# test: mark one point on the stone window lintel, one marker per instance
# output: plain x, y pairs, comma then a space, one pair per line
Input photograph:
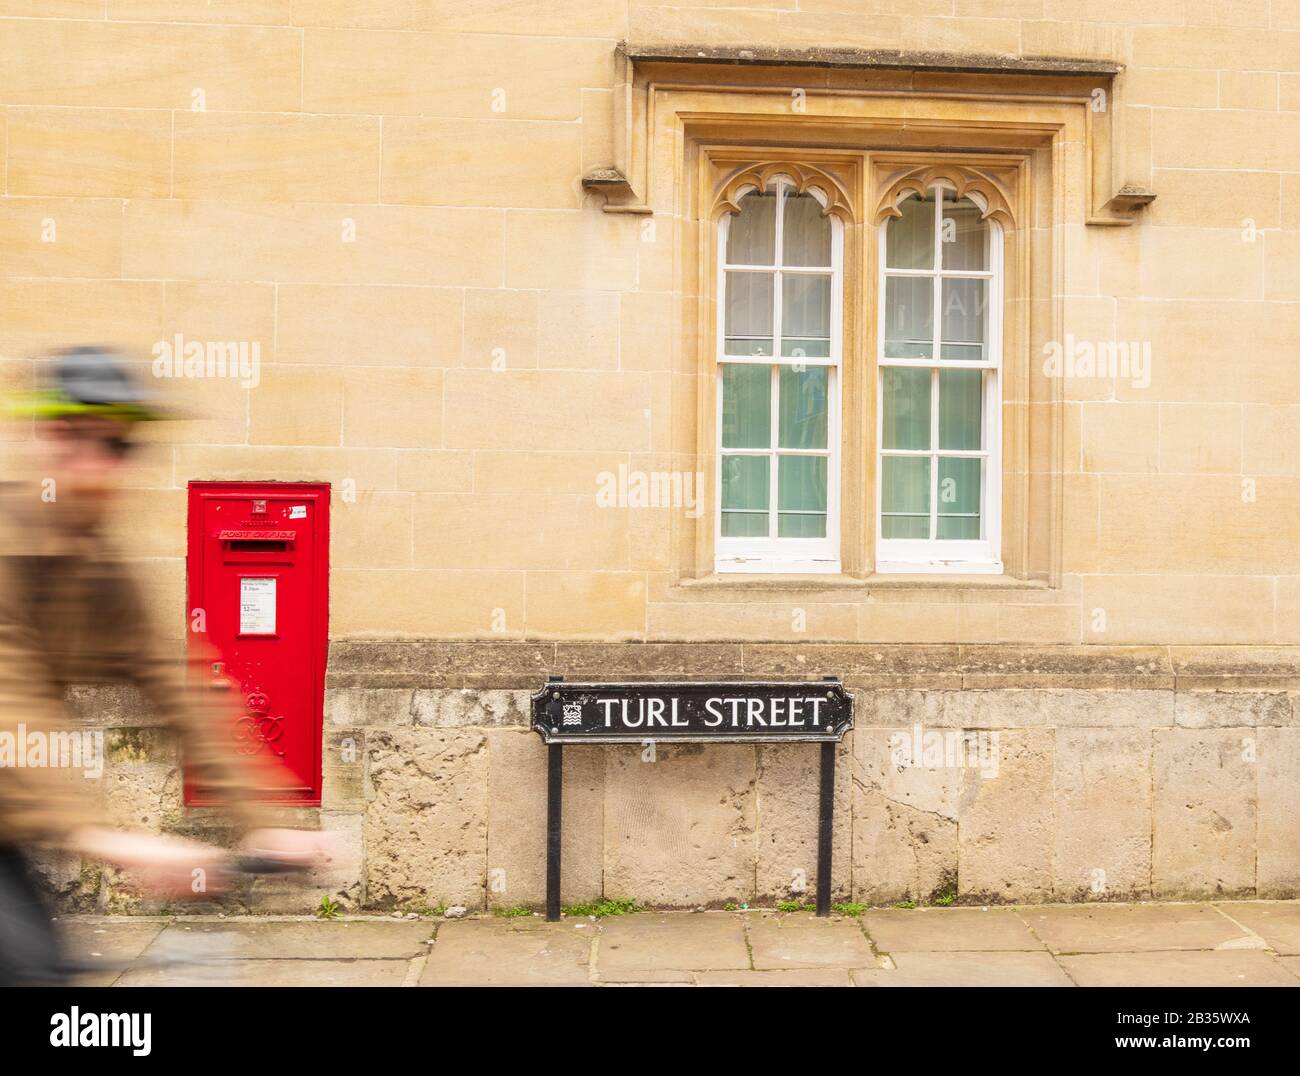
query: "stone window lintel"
646, 71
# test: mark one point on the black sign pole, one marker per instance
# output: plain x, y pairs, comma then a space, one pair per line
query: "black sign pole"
825, 819
554, 805
554, 800
825, 815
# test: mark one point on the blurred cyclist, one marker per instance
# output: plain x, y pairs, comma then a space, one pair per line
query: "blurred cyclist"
71, 614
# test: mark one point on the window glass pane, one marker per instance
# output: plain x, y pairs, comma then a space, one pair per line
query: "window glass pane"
805, 348
963, 308
909, 240
960, 410
807, 232
746, 406
959, 497
801, 525
744, 524
749, 313
745, 483
909, 317
801, 497
905, 497
804, 403
751, 234
805, 315
906, 408
801, 483
964, 239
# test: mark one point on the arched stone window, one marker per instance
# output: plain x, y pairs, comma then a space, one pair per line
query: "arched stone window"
779, 356
938, 501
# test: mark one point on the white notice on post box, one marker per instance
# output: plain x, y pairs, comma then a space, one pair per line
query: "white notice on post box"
256, 606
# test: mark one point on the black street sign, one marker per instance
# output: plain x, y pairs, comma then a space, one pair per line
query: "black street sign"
817, 711
764, 712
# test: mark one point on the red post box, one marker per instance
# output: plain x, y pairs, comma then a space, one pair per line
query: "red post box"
258, 577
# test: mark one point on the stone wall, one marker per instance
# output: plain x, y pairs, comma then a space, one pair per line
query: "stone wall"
1120, 773
386, 200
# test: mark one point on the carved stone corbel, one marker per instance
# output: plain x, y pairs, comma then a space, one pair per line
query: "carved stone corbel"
616, 189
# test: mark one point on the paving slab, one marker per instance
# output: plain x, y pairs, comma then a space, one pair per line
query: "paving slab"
803, 941
670, 942
645, 977
1277, 924
113, 942
966, 969
948, 930
1188, 944
1178, 968
1126, 928
673, 983
272, 973
786, 977
249, 939
503, 952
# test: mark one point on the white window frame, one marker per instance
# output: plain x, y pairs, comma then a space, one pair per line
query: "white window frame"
946, 555
773, 555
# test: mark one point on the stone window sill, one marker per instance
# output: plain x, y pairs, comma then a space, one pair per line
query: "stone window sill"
736, 581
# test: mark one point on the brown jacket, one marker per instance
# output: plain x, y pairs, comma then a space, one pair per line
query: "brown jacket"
70, 613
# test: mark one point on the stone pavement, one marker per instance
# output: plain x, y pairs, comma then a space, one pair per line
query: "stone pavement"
1220, 944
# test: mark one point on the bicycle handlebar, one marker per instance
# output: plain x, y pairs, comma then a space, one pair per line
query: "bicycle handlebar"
254, 864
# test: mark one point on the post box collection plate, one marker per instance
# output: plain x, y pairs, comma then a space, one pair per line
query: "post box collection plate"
692, 712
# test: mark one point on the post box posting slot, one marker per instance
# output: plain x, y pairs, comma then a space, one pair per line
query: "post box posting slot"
257, 541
